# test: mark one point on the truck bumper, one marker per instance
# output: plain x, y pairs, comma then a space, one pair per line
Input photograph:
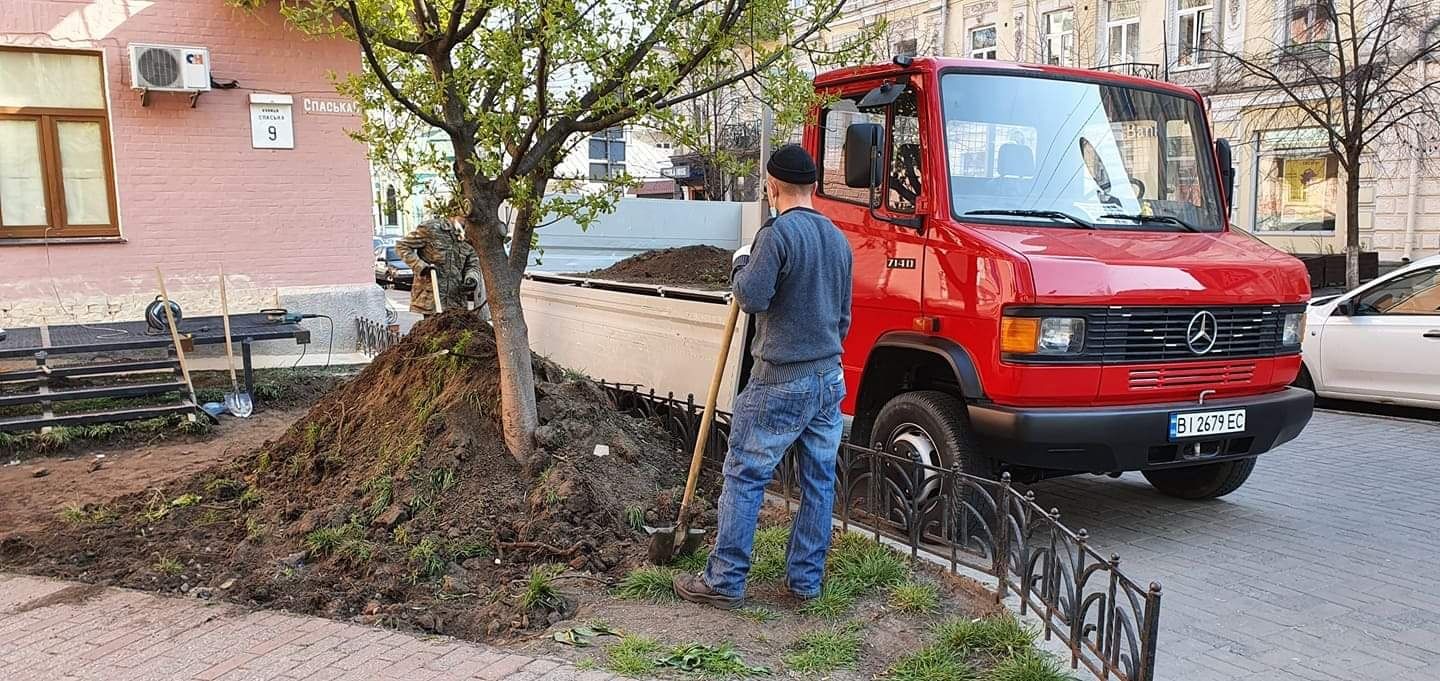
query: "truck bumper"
1135, 437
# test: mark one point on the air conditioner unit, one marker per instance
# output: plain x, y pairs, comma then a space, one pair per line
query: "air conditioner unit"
169, 68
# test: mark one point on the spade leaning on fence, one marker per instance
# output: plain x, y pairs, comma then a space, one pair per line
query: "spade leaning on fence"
438, 248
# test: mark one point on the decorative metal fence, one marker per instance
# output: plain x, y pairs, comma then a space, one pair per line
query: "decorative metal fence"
1108, 621
373, 338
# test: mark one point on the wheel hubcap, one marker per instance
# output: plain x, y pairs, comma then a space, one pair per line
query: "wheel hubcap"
909, 440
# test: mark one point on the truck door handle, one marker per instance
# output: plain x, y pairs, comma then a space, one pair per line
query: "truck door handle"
1432, 333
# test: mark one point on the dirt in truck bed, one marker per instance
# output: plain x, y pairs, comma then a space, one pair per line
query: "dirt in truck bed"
392, 501
706, 268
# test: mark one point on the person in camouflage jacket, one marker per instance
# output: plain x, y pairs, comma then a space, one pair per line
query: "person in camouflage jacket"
438, 248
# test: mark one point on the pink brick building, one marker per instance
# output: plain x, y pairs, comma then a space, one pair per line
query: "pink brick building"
98, 185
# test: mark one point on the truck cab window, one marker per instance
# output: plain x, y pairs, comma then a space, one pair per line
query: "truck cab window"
905, 184
835, 120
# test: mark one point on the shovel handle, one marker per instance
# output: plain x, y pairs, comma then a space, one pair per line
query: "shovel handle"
225, 317
175, 334
703, 434
435, 289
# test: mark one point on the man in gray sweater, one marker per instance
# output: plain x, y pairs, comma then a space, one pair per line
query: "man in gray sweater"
795, 280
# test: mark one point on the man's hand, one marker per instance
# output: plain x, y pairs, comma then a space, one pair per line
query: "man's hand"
426, 269
472, 282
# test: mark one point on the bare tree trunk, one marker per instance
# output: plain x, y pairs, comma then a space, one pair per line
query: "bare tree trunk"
512, 341
1352, 225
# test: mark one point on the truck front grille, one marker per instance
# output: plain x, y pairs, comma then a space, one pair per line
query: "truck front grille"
1161, 378
1139, 335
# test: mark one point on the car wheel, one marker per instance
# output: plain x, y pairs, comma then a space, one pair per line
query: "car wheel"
933, 426
1210, 481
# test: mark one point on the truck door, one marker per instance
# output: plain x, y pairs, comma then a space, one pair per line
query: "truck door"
887, 256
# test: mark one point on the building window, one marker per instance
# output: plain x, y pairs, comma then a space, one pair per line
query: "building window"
392, 206
1297, 180
1307, 21
56, 175
1122, 29
1059, 41
982, 43
1194, 20
607, 154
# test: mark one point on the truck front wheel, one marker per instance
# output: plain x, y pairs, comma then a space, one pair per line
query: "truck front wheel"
934, 426
1210, 481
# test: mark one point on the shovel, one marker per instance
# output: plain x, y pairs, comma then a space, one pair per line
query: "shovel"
668, 542
435, 290
237, 401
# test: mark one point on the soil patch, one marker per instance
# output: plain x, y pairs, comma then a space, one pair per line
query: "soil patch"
699, 267
392, 501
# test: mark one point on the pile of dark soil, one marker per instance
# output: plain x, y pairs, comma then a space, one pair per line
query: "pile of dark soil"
699, 267
393, 501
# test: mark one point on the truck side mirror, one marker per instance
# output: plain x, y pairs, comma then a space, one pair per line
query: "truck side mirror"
862, 142
1226, 158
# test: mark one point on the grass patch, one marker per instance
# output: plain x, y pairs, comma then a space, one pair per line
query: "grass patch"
647, 583
346, 543
694, 561
1030, 665
427, 558
758, 614
250, 498
168, 566
81, 515
996, 637
824, 651
382, 491
632, 656
225, 489
721, 661
865, 564
767, 560
185, 500
915, 598
835, 600
540, 589
635, 518
931, 663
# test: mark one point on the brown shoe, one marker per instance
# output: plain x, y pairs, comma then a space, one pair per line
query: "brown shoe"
694, 589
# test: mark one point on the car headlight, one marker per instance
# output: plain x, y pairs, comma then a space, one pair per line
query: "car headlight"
1042, 335
1293, 330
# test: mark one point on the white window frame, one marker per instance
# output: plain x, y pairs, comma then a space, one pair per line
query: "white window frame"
993, 51
613, 168
1121, 24
1203, 17
1067, 52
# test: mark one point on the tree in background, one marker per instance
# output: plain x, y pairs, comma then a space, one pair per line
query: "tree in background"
1361, 71
513, 84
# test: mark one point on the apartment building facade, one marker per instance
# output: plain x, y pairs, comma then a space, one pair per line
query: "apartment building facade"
1289, 188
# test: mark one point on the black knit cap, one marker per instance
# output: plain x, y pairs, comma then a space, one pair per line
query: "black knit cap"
792, 164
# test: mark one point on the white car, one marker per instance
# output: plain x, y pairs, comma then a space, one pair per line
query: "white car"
1380, 342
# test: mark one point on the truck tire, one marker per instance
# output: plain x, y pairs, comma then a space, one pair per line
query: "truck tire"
910, 419
1210, 481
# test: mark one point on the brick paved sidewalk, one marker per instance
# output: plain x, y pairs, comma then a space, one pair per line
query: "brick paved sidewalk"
52, 630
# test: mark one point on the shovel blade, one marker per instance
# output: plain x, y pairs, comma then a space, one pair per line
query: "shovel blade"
662, 545
239, 404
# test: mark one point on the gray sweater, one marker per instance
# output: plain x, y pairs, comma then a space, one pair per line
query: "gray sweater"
797, 284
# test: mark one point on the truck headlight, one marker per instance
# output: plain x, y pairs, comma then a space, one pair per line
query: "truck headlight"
1042, 335
1293, 330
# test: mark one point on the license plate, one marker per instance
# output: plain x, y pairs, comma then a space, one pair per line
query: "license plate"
1204, 423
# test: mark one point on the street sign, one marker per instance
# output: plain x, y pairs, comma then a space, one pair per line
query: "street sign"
272, 121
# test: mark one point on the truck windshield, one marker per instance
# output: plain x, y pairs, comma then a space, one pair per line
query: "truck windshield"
1118, 157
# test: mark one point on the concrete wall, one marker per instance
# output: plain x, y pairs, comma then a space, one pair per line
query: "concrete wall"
192, 192
639, 225
666, 344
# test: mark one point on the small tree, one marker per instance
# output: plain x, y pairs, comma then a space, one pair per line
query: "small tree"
1360, 70
513, 84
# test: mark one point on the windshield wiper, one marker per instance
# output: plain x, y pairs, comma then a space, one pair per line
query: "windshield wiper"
1154, 219
1051, 214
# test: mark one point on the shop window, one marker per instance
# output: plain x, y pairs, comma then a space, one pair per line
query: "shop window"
1298, 182
983, 43
1058, 44
56, 174
1193, 19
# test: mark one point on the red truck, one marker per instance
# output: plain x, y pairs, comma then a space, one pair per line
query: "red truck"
1045, 278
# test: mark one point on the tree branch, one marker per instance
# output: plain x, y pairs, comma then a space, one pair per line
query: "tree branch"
369, 52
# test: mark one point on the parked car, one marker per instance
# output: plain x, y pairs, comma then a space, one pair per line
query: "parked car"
390, 270
1380, 342
378, 241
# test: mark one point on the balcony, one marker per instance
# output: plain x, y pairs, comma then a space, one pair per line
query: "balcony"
1137, 69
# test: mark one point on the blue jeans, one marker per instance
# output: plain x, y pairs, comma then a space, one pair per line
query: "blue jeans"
768, 419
